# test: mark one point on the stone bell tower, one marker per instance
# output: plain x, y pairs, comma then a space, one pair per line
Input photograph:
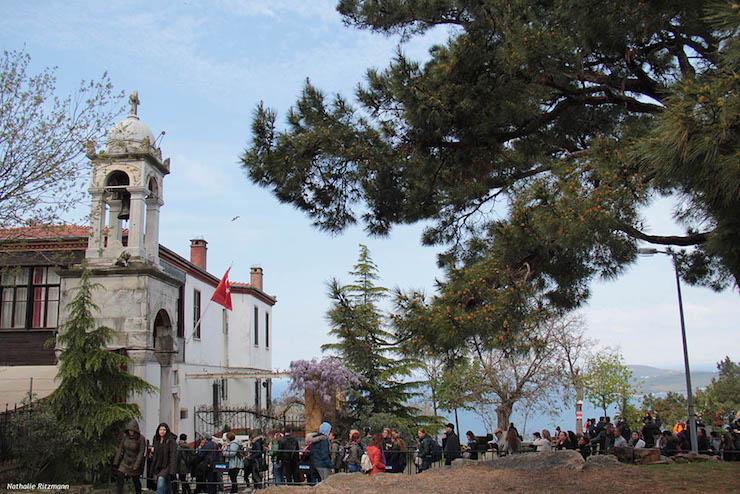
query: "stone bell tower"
127, 192
136, 297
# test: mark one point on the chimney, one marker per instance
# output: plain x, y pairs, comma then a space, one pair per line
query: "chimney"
255, 277
199, 252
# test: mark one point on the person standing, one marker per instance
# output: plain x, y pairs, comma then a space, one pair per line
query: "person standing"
452, 444
288, 454
277, 464
424, 453
205, 457
321, 450
375, 454
164, 458
232, 454
354, 452
184, 459
335, 452
129, 459
254, 465
398, 451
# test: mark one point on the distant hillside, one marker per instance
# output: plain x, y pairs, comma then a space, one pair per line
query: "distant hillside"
654, 380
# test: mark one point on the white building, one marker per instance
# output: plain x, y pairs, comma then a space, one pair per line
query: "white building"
151, 296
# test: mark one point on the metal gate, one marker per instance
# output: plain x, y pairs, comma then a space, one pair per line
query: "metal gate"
211, 420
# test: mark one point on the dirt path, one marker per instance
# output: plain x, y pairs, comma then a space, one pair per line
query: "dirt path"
685, 478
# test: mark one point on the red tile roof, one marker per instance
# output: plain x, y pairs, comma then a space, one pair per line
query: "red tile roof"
44, 232
239, 284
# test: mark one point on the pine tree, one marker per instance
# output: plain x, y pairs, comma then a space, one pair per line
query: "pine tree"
93, 382
367, 346
577, 114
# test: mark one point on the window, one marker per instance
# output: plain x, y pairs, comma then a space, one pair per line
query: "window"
257, 394
175, 378
183, 413
181, 312
267, 329
256, 326
225, 320
196, 314
224, 389
40, 310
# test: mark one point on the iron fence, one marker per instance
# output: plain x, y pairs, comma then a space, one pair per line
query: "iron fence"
208, 421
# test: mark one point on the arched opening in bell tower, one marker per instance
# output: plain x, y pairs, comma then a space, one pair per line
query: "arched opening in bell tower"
117, 206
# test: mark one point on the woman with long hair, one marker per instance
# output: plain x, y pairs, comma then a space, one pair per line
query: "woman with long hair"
376, 455
164, 458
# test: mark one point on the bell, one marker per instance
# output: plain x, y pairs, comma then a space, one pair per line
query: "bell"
125, 208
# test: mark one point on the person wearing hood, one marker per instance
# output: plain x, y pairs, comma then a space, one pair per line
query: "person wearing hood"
164, 458
129, 459
321, 451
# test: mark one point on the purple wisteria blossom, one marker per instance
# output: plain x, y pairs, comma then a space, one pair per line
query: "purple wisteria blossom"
323, 377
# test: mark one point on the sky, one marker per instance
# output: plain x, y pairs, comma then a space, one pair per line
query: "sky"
200, 69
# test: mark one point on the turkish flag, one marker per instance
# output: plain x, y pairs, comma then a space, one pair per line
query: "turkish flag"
222, 295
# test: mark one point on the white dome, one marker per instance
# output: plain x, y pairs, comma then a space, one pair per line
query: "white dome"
130, 135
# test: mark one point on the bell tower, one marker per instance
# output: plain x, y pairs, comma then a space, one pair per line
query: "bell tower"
127, 192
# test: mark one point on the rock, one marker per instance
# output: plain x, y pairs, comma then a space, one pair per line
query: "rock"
602, 461
565, 459
691, 458
625, 455
647, 456
463, 462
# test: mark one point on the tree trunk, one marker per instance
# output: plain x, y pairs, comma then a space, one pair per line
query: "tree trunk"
503, 414
312, 411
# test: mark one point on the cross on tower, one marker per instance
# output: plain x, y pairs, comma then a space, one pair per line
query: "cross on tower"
135, 102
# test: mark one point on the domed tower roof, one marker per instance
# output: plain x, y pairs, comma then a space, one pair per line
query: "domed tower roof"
131, 134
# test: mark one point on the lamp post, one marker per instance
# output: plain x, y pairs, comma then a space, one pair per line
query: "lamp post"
689, 394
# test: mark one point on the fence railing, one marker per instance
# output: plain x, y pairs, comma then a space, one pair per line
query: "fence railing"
6, 422
207, 421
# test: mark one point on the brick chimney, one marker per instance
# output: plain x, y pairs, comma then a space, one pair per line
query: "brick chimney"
199, 252
255, 277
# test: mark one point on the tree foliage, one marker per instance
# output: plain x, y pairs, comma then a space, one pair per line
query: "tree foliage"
367, 345
722, 396
325, 377
513, 366
607, 380
570, 116
93, 382
43, 444
43, 139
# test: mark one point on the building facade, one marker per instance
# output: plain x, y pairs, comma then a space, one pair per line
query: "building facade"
196, 353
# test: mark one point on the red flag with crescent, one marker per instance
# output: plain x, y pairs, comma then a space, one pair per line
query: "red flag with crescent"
222, 295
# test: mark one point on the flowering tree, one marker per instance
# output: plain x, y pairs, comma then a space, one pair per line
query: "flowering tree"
322, 382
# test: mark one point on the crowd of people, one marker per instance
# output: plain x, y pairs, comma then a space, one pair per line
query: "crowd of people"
171, 464
602, 436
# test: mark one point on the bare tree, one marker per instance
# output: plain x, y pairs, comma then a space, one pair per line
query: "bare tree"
529, 373
43, 139
575, 351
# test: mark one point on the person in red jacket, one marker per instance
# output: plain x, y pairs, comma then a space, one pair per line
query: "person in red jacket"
376, 455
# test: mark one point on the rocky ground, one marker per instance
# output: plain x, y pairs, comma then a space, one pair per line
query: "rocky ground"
542, 472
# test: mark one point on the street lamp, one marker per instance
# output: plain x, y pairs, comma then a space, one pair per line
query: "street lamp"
689, 394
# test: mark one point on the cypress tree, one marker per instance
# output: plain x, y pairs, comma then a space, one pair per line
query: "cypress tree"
367, 344
93, 381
